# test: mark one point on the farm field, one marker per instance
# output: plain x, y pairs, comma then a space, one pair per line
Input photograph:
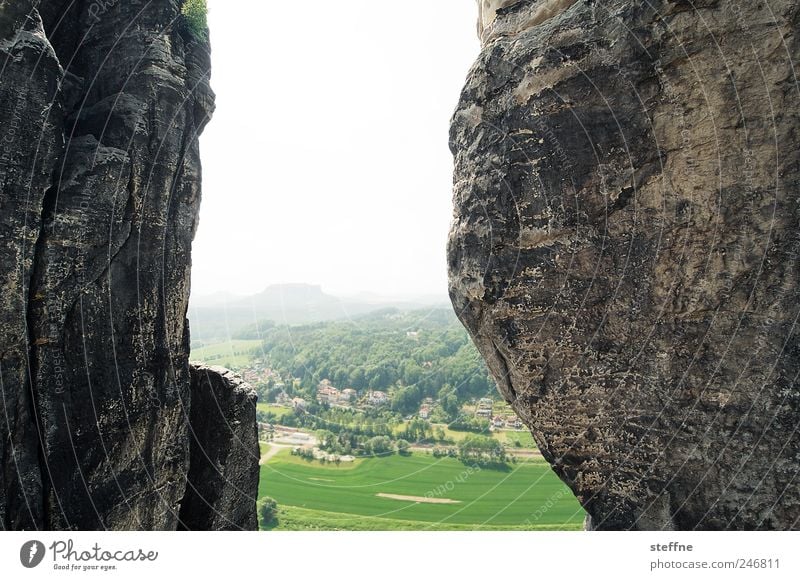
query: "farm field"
300, 519
233, 354
276, 410
313, 496
524, 438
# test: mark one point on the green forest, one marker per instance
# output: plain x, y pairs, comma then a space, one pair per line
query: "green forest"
411, 355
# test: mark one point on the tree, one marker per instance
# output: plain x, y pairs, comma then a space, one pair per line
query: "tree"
341, 377
357, 378
417, 430
403, 447
327, 440
450, 405
379, 445
481, 449
412, 372
268, 512
406, 400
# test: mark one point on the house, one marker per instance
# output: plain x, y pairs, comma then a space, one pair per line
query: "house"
424, 412
327, 393
514, 423
412, 335
485, 408
377, 398
498, 422
348, 395
299, 404
283, 399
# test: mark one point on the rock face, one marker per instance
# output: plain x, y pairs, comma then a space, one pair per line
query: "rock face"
625, 245
222, 482
101, 105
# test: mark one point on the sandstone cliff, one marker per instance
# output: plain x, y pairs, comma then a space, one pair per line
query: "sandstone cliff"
222, 482
101, 105
624, 250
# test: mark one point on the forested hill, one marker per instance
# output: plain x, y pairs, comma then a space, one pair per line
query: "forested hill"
426, 352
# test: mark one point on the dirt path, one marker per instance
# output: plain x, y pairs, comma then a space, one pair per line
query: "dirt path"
272, 451
417, 499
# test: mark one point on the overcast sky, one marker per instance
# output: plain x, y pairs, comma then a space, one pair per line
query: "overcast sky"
327, 161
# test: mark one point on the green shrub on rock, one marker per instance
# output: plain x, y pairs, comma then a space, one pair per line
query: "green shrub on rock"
195, 14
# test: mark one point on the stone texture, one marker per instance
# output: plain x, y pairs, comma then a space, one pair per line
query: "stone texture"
224, 458
31, 141
101, 105
624, 250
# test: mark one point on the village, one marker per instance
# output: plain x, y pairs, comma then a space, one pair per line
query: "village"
348, 398
496, 416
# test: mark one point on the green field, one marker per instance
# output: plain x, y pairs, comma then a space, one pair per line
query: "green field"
276, 410
301, 519
524, 437
233, 354
313, 496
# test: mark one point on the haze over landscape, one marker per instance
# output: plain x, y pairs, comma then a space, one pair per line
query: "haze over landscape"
338, 158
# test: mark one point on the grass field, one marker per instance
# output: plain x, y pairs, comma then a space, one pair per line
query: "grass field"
314, 496
276, 410
301, 519
524, 437
232, 354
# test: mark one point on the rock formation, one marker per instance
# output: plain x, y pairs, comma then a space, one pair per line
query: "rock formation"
624, 250
222, 483
101, 105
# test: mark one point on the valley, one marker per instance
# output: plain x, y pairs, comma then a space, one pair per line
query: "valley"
388, 421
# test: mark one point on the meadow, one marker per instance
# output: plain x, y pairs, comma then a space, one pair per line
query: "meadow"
315, 496
233, 354
276, 410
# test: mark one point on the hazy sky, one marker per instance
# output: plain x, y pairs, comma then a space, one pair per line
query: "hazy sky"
327, 161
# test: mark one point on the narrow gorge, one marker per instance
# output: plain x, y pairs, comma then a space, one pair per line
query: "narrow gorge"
104, 424
624, 252
625, 245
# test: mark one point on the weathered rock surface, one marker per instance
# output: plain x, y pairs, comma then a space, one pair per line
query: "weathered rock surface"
101, 105
624, 250
31, 141
224, 457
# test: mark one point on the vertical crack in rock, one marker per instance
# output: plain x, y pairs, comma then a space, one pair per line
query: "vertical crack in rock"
626, 229
100, 112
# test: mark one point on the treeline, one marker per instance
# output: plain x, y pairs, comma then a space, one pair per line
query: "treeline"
348, 432
319, 417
